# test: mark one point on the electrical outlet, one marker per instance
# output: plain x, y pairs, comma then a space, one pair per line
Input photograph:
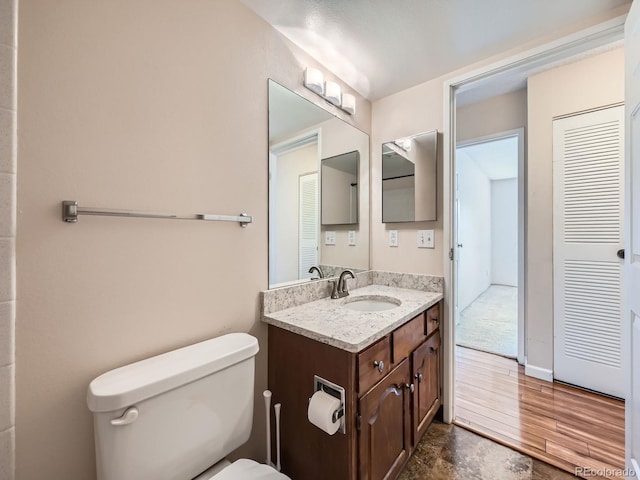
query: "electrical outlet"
351, 238
426, 239
329, 238
393, 238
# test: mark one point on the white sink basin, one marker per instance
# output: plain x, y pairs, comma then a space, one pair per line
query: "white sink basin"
371, 303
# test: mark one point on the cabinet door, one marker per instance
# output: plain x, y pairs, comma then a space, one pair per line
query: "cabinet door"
385, 426
426, 376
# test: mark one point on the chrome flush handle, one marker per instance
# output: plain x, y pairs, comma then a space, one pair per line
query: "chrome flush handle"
130, 415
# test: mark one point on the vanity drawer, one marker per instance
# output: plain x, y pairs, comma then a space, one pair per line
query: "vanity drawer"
408, 337
373, 364
433, 318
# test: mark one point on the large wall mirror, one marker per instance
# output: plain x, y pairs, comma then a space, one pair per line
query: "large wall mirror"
409, 178
318, 191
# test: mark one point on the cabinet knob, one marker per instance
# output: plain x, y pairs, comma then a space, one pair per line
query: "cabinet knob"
379, 364
432, 350
410, 387
436, 320
418, 377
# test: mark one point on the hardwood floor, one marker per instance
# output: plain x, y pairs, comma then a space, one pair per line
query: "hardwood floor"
561, 425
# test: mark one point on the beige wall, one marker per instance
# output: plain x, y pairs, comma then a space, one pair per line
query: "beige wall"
8, 73
494, 115
415, 110
419, 109
585, 84
153, 105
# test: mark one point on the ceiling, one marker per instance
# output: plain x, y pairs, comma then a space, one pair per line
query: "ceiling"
498, 159
289, 113
380, 47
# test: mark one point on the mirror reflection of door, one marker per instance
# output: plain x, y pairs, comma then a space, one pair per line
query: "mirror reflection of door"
307, 224
294, 209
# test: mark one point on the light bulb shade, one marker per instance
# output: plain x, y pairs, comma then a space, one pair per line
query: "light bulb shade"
349, 103
404, 143
332, 93
314, 80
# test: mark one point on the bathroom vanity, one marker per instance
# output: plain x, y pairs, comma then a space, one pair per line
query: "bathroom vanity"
388, 362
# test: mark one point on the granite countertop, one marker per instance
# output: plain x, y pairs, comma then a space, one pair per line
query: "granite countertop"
327, 321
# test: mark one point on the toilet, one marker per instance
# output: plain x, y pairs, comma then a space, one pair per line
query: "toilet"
177, 415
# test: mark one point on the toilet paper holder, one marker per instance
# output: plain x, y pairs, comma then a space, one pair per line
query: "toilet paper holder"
330, 388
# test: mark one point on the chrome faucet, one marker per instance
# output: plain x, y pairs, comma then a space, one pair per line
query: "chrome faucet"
317, 269
340, 286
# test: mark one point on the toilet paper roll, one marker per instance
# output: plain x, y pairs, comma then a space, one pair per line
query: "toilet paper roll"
321, 408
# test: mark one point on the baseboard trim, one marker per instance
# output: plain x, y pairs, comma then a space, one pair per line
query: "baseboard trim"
538, 372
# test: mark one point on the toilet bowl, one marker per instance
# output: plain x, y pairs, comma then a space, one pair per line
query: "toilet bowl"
173, 416
244, 469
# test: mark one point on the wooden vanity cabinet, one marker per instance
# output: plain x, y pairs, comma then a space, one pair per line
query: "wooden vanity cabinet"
385, 426
393, 391
426, 377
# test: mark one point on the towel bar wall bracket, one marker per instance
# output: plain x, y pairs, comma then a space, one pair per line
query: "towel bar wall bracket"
71, 210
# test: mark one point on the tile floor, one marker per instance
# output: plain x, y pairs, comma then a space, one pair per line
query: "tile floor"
448, 452
490, 322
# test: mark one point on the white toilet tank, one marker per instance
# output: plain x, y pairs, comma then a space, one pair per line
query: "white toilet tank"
172, 416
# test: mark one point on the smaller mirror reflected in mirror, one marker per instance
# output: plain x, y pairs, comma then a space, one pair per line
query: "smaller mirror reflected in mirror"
339, 179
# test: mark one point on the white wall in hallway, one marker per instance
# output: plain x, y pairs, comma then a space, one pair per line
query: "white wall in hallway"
504, 231
474, 230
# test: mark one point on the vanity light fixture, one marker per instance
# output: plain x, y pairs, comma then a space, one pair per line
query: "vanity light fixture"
314, 80
330, 91
348, 103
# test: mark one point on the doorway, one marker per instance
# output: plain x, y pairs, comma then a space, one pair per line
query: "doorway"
530, 389
490, 244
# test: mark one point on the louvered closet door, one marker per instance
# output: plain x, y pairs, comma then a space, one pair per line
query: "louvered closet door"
588, 152
308, 224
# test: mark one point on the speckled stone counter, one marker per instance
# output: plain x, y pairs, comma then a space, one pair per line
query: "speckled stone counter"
328, 321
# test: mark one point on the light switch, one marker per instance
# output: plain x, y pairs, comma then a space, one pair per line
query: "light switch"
329, 238
352, 238
426, 239
393, 238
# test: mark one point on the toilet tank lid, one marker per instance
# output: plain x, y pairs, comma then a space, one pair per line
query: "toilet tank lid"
147, 378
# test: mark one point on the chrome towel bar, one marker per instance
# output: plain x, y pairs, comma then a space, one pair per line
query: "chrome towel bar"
71, 210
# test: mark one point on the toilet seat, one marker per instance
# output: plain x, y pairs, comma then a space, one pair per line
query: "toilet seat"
245, 469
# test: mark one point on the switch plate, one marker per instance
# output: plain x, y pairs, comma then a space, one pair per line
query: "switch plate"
351, 238
329, 238
426, 239
393, 238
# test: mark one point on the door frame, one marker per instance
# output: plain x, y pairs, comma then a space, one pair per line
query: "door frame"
522, 230
632, 260
585, 40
